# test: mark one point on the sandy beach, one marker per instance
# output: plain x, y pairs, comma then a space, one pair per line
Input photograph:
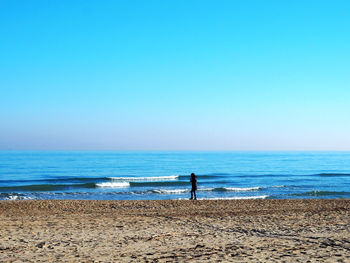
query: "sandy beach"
175, 231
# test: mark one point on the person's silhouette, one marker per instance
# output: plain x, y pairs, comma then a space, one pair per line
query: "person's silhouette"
193, 181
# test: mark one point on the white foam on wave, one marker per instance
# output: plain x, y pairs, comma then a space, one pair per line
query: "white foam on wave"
171, 191
17, 197
113, 185
238, 189
152, 178
235, 197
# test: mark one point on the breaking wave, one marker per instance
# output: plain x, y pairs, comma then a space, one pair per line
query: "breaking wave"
152, 178
113, 185
235, 197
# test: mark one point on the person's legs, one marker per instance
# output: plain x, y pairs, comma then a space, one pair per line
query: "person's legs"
191, 195
195, 195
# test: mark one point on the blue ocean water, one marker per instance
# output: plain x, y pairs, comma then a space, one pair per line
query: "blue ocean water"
109, 175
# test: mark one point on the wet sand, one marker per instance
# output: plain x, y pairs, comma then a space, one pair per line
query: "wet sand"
175, 231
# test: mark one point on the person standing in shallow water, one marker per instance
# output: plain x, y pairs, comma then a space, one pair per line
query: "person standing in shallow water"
194, 186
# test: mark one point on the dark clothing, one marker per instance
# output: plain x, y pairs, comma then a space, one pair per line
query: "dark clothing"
194, 186
194, 182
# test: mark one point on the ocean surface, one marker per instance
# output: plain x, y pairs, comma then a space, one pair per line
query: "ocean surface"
109, 175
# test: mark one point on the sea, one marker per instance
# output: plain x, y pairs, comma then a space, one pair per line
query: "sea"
156, 175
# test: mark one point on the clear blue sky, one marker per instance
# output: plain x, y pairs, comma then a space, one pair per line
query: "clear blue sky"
175, 75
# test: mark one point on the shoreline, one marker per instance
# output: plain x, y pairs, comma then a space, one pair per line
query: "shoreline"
291, 230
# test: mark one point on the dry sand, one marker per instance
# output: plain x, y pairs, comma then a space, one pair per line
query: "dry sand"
175, 231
